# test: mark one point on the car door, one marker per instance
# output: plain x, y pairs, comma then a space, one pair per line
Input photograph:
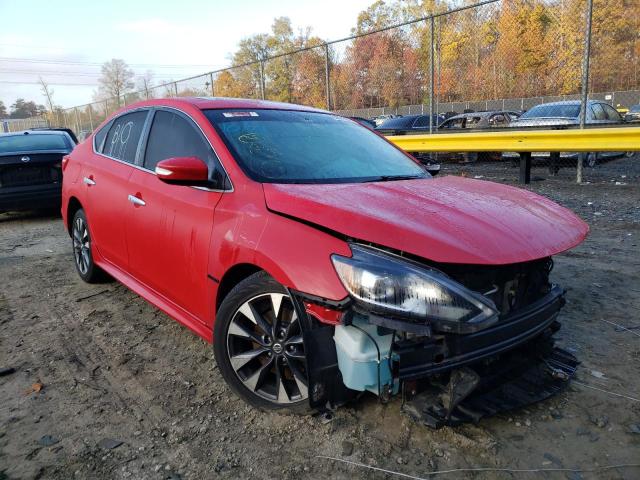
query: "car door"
169, 227
105, 178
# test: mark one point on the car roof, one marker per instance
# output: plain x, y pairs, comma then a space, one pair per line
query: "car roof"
569, 102
207, 103
405, 120
33, 132
484, 113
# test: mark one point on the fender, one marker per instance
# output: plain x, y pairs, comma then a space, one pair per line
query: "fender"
282, 246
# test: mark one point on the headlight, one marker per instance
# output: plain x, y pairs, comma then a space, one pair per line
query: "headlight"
391, 285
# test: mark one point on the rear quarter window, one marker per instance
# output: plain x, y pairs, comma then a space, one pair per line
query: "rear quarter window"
98, 138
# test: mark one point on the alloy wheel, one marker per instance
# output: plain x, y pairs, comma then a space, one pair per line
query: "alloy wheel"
81, 245
266, 351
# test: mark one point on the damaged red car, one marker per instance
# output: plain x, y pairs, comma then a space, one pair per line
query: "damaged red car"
322, 261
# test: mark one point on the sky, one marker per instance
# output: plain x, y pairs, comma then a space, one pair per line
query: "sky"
66, 42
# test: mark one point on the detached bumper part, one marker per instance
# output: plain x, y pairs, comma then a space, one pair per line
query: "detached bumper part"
472, 394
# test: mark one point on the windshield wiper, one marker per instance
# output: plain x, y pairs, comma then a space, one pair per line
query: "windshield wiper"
386, 178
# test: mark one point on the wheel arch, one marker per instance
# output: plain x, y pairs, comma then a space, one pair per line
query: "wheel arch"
72, 207
232, 277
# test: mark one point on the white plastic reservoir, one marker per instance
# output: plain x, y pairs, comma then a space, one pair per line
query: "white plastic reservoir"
358, 356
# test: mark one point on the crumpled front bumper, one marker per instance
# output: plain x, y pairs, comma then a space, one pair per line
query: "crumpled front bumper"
442, 353
431, 362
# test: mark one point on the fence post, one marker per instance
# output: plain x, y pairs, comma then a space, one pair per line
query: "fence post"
585, 82
106, 108
327, 76
175, 88
77, 120
261, 79
431, 75
90, 117
213, 92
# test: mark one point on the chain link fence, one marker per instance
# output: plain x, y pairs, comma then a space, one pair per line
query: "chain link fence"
493, 64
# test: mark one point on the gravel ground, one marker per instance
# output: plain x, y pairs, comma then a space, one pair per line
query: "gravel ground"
106, 386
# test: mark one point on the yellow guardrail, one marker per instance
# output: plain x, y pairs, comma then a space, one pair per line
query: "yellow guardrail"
615, 139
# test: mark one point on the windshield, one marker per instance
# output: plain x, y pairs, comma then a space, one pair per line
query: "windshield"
541, 111
635, 109
277, 146
32, 142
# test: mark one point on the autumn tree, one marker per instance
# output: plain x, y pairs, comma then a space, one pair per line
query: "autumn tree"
116, 79
225, 85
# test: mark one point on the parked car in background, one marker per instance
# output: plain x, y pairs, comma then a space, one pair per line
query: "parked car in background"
365, 122
633, 115
478, 120
31, 168
475, 121
380, 119
414, 124
68, 131
566, 114
409, 124
323, 275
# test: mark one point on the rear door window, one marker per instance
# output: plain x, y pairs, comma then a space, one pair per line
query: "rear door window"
123, 138
172, 136
498, 120
454, 123
598, 112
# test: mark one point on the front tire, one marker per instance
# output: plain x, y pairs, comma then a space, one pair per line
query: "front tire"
258, 346
81, 242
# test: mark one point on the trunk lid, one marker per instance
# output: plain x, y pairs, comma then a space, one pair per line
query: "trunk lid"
20, 170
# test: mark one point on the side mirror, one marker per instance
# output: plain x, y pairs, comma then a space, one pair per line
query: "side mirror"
190, 171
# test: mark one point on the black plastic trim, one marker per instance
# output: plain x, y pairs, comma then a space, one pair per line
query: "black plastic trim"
513, 331
341, 305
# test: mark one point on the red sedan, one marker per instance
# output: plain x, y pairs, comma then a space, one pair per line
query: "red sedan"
320, 260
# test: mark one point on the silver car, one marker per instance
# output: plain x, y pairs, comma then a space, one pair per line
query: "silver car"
566, 114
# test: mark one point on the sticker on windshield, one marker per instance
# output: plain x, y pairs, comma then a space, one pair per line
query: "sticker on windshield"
240, 114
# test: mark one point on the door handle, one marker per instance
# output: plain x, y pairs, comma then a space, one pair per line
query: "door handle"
88, 181
136, 201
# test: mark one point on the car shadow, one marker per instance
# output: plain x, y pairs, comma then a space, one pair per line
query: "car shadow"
40, 214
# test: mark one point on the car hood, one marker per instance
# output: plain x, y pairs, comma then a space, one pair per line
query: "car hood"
448, 219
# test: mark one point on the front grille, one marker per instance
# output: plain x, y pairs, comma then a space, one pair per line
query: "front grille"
510, 287
19, 176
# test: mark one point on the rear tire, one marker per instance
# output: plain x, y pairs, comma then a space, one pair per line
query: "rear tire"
258, 346
81, 243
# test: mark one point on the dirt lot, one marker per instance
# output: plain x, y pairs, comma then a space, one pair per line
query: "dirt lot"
97, 363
